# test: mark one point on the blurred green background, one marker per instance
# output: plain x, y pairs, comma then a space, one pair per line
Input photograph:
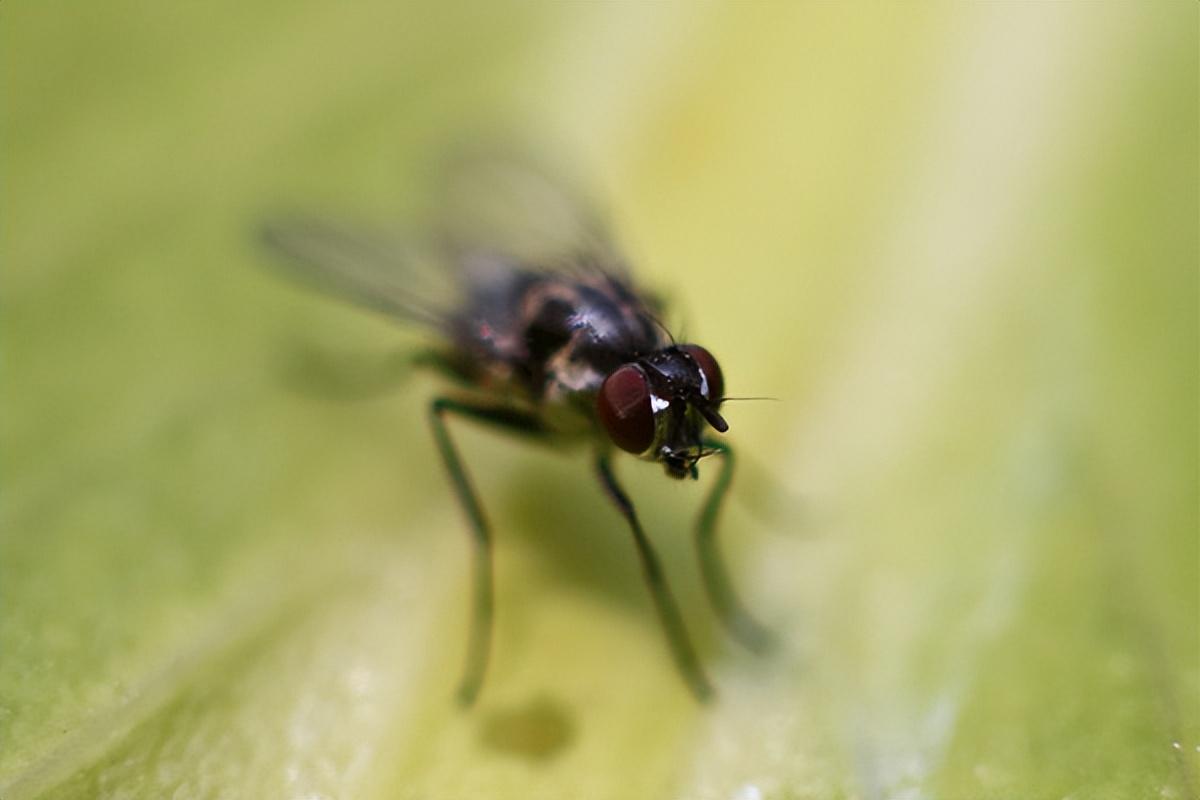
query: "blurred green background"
959, 242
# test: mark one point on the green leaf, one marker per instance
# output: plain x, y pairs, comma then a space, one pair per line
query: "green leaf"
960, 243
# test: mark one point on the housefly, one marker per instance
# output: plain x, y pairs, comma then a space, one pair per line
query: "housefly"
544, 334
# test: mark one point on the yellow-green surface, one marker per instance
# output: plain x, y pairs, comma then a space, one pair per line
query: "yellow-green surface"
958, 242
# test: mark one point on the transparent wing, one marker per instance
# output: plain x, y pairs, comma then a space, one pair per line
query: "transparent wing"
492, 218
520, 209
367, 267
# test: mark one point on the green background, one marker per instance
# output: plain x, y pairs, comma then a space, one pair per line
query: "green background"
958, 242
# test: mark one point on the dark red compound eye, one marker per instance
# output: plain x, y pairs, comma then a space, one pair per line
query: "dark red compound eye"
708, 366
624, 408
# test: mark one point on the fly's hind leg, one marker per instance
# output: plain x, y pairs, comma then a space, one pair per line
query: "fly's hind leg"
656, 580
725, 602
478, 643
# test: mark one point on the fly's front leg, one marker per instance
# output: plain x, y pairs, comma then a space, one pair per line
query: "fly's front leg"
724, 601
656, 580
478, 643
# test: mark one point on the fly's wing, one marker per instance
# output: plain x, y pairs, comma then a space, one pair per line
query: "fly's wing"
495, 220
367, 267
522, 211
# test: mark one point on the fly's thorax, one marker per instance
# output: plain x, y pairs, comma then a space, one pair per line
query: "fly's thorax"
576, 332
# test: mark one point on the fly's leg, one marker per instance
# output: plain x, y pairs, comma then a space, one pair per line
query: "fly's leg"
668, 612
478, 643
729, 609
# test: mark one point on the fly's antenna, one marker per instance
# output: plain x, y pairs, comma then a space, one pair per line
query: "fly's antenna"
736, 399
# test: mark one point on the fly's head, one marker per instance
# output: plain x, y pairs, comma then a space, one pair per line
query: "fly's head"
657, 407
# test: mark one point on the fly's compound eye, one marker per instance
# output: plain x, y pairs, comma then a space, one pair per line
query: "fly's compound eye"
714, 383
625, 410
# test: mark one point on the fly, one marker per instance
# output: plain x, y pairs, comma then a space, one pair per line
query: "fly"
545, 335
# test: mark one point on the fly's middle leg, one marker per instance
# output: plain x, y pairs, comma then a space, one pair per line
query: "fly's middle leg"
724, 601
479, 641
